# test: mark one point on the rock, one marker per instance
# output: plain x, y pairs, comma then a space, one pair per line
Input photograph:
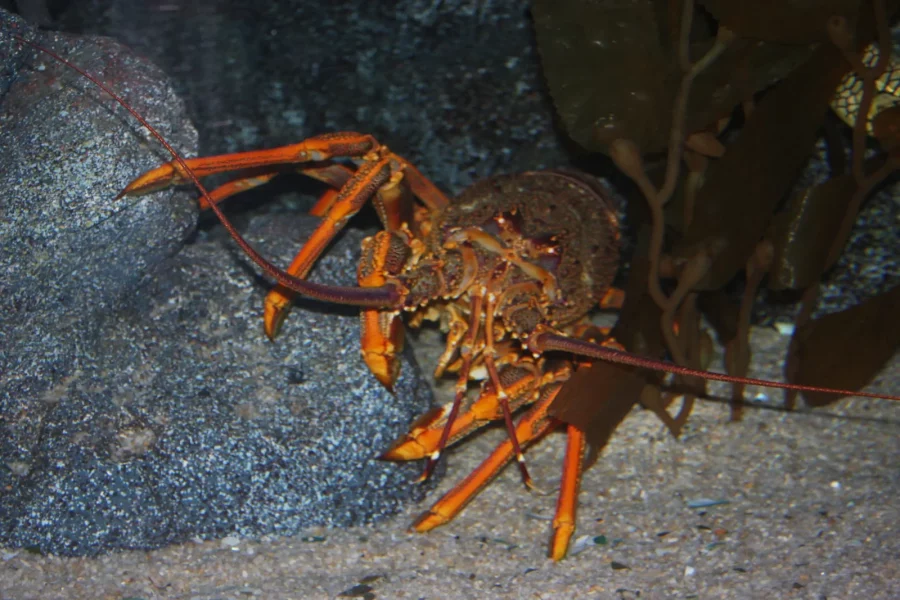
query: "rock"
454, 86
70, 254
140, 403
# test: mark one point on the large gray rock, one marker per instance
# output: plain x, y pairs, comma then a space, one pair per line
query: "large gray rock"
70, 254
140, 403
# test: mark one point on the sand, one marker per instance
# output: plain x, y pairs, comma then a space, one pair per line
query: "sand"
798, 504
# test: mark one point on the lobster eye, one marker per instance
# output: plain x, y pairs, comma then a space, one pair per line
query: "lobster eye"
549, 261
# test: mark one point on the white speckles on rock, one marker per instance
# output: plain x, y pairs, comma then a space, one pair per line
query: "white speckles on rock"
142, 442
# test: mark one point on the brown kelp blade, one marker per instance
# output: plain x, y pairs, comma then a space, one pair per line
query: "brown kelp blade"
742, 189
586, 44
606, 69
804, 233
846, 349
596, 399
787, 21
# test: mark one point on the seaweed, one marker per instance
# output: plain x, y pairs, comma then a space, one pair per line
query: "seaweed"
739, 94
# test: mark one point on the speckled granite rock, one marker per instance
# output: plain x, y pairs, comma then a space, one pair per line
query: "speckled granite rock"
69, 253
140, 404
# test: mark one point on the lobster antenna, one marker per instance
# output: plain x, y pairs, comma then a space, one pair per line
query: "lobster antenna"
378, 297
546, 340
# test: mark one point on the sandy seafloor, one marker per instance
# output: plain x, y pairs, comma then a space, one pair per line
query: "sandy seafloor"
813, 511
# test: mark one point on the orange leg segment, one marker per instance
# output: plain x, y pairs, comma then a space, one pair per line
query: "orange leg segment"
324, 203
614, 298
381, 329
467, 352
317, 148
567, 502
531, 427
237, 186
359, 190
424, 436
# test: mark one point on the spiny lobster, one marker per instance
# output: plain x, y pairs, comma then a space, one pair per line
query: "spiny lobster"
510, 269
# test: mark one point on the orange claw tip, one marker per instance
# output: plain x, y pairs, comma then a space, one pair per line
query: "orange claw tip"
427, 521
404, 449
559, 541
386, 369
386, 380
151, 181
273, 316
271, 328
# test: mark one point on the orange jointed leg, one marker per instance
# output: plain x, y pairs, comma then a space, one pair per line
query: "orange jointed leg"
462, 383
566, 503
359, 190
382, 343
382, 332
318, 148
422, 187
379, 178
324, 203
333, 175
531, 427
502, 396
425, 434
456, 326
237, 186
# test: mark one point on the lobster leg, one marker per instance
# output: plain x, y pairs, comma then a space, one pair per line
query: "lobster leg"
379, 173
531, 427
456, 326
502, 396
382, 331
467, 350
315, 149
227, 190
370, 177
567, 501
394, 207
614, 298
520, 381
334, 175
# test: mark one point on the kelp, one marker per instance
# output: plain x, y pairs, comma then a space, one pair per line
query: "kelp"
869, 332
652, 78
612, 75
741, 190
788, 21
607, 69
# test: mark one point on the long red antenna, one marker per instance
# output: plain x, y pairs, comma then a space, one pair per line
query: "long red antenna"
543, 341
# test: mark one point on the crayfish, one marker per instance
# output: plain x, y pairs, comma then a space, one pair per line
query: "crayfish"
511, 270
